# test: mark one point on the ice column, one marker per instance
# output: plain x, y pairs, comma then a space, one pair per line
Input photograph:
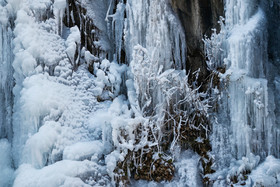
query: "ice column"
6, 74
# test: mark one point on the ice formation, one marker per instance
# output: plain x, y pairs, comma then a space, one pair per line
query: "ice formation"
87, 93
246, 121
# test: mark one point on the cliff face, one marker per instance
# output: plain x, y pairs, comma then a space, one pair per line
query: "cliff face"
198, 17
272, 12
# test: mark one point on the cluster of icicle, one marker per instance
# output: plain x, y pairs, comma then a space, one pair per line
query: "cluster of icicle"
245, 129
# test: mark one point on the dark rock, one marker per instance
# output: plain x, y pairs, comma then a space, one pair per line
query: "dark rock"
198, 17
272, 10
89, 31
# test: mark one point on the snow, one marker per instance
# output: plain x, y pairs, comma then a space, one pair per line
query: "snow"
37, 147
108, 79
39, 43
51, 112
267, 173
40, 97
82, 150
188, 172
66, 172
89, 57
57, 126
38, 5
72, 41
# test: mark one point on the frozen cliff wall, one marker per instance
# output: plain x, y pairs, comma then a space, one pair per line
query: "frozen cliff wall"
248, 90
139, 93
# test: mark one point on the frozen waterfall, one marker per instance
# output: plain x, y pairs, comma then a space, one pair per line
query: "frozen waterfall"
98, 93
246, 124
247, 90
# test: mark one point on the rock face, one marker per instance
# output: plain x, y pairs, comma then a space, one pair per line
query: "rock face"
273, 11
198, 17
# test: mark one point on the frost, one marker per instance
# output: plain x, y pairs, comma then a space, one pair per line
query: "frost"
108, 79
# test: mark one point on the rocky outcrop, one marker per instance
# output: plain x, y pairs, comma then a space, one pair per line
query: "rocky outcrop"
198, 17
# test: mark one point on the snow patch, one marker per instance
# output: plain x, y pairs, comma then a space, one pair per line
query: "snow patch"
83, 150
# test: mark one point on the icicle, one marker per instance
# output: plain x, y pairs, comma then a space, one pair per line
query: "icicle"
241, 47
118, 26
6, 75
59, 9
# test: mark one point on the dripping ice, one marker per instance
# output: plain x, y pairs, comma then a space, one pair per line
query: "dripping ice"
250, 132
